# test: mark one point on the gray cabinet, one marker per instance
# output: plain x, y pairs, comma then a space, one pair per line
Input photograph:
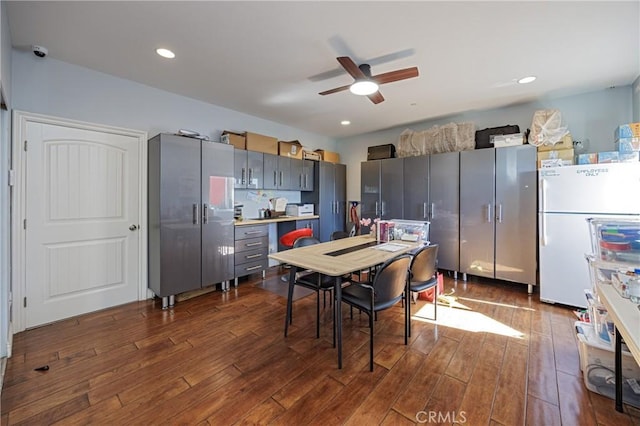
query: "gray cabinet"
431, 193
277, 173
329, 197
248, 173
190, 210
382, 187
498, 213
301, 174
251, 250
312, 224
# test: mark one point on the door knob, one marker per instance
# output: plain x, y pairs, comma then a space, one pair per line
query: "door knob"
133, 227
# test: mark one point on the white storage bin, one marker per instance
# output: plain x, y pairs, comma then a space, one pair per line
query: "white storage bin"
597, 362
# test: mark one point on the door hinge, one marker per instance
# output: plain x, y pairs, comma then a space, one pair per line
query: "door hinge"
24, 302
24, 223
25, 145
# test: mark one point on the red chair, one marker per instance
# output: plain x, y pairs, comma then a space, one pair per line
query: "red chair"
290, 237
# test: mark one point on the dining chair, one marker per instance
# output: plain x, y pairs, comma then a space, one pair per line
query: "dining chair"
311, 280
423, 275
387, 289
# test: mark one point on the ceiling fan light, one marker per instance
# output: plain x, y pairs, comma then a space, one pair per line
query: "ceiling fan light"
363, 87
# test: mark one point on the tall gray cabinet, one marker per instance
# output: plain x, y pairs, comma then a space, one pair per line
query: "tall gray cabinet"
498, 213
190, 210
329, 197
431, 185
381, 188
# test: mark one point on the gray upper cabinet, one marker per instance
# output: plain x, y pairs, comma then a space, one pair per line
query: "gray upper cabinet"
431, 185
382, 187
329, 197
498, 213
301, 174
277, 173
248, 173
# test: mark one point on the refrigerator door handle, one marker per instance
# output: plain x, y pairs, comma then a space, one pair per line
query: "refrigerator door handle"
543, 230
489, 213
543, 195
195, 208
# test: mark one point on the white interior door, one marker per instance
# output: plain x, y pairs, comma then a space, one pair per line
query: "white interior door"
82, 221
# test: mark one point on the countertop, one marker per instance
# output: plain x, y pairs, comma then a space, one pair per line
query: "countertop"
273, 220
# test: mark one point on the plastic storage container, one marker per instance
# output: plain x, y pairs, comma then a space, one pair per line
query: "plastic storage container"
411, 230
597, 364
616, 240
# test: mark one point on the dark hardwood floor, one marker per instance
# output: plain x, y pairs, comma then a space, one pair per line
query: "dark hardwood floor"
498, 358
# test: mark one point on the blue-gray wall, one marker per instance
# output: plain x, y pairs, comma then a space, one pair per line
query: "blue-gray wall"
591, 116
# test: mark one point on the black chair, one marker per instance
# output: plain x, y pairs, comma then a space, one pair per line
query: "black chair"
423, 275
388, 288
338, 235
311, 280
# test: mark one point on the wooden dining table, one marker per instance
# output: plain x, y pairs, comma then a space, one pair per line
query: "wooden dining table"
338, 258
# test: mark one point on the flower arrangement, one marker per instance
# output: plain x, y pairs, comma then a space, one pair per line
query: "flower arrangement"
372, 226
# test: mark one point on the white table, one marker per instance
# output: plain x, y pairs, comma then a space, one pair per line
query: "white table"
626, 317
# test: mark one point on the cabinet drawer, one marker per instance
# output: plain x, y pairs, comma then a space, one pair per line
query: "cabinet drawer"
251, 231
254, 255
252, 244
251, 268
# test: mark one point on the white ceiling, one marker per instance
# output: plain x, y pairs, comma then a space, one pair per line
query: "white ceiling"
270, 59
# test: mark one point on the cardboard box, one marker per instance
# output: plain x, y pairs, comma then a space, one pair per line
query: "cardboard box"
588, 158
565, 143
631, 130
311, 155
628, 145
566, 155
332, 157
291, 149
608, 157
236, 139
262, 143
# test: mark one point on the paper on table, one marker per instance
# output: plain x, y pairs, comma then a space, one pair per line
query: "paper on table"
390, 247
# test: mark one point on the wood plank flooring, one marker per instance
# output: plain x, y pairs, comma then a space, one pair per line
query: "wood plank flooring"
500, 358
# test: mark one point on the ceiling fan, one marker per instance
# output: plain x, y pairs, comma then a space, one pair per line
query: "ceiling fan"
367, 84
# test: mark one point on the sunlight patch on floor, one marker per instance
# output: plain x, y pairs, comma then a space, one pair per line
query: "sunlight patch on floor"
465, 319
504, 305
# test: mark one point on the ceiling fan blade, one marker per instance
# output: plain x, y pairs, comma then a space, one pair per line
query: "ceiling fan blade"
397, 75
376, 98
351, 67
337, 89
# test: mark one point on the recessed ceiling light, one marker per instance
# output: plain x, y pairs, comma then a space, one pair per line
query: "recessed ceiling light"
165, 53
525, 80
345, 122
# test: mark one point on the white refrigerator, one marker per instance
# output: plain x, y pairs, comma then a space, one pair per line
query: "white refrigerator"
568, 196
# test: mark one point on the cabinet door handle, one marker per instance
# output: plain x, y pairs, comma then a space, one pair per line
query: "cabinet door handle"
275, 178
281, 177
376, 208
489, 213
244, 182
499, 213
205, 214
305, 181
250, 176
382, 208
253, 256
424, 210
252, 244
251, 232
433, 211
196, 217
301, 185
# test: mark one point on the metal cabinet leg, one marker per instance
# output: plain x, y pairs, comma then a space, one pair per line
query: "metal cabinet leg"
172, 300
455, 275
264, 274
165, 302
530, 289
235, 282
464, 276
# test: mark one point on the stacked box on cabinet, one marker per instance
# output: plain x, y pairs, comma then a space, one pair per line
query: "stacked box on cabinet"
558, 154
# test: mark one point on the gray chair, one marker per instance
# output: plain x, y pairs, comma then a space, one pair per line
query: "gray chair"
313, 281
387, 289
423, 275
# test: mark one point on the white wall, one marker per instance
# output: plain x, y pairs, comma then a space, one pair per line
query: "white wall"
593, 116
49, 86
636, 100
5, 195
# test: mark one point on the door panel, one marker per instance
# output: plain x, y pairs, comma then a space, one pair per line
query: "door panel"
270, 171
369, 190
240, 168
416, 182
217, 219
326, 196
340, 196
477, 170
391, 195
81, 198
516, 180
444, 208
255, 173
